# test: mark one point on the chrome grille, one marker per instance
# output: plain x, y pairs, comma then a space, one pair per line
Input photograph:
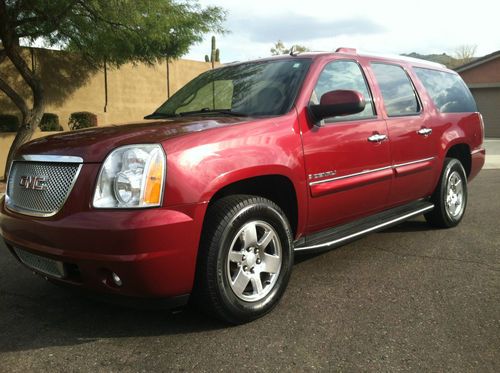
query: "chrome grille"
59, 178
41, 264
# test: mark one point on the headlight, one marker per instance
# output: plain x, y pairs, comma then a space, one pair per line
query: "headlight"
131, 177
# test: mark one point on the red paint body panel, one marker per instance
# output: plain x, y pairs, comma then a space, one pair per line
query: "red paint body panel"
351, 182
155, 250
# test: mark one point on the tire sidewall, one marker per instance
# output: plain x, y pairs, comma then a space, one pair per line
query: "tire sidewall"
271, 215
451, 166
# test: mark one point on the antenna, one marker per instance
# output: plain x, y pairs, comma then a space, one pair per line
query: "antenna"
293, 52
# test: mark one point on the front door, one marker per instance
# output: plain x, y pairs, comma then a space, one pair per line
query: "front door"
347, 158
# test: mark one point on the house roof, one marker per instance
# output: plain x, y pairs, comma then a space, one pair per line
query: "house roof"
478, 61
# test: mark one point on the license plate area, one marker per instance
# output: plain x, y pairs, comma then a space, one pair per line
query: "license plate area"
41, 264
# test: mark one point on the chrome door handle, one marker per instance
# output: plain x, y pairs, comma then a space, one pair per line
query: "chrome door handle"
377, 138
424, 131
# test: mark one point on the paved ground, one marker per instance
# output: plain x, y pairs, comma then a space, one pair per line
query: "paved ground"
410, 298
492, 153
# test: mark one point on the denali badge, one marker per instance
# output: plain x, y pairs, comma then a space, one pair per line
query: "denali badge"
34, 182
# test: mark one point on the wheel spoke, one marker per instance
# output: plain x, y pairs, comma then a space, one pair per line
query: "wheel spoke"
240, 282
256, 284
235, 256
272, 263
249, 235
264, 241
256, 249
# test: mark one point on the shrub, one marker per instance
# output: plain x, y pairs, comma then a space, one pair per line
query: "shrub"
50, 122
82, 119
8, 123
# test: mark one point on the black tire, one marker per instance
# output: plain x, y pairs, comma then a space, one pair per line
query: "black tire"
449, 211
227, 233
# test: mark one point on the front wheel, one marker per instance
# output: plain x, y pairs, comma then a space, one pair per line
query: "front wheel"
450, 196
245, 258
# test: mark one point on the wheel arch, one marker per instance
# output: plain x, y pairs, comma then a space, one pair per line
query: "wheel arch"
275, 187
461, 151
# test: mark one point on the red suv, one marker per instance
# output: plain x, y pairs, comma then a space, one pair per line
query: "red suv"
212, 195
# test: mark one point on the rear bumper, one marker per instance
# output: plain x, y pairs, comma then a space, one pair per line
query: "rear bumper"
152, 251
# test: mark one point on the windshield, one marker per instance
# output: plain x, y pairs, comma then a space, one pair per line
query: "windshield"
250, 89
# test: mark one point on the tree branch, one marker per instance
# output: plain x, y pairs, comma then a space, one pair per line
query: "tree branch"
15, 97
93, 14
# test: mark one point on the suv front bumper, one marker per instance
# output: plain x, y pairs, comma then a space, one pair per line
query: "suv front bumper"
152, 251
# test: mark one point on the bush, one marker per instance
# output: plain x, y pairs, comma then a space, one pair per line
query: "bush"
82, 119
50, 122
8, 123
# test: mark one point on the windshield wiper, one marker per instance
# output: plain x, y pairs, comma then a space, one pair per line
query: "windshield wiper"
214, 111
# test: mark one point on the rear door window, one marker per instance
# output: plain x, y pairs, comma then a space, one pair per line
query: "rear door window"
447, 90
400, 98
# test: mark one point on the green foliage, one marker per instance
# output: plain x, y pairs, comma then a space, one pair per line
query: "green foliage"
8, 123
50, 122
117, 31
82, 119
279, 48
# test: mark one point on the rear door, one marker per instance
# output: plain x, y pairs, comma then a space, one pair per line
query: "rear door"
347, 158
413, 142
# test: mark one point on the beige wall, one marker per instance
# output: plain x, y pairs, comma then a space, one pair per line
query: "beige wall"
71, 85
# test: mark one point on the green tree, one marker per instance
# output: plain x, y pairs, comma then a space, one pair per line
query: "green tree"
279, 48
111, 31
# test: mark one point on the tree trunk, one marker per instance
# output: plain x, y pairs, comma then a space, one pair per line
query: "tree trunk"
24, 134
30, 118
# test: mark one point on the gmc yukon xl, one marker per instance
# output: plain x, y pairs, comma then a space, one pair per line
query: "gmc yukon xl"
210, 196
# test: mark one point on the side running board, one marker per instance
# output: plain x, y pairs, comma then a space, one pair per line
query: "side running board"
342, 234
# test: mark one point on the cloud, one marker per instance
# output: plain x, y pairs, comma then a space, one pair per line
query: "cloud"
293, 27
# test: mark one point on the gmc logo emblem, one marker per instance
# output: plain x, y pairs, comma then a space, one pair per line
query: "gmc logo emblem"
33, 182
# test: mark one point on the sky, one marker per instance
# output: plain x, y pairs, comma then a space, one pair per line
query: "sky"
383, 26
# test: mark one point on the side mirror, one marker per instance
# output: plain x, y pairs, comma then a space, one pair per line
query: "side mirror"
336, 103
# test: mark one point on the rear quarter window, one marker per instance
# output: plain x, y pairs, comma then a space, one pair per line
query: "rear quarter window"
447, 90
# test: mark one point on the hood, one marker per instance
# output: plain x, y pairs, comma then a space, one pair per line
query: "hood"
94, 144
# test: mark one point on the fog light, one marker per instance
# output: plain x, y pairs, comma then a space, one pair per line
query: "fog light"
116, 279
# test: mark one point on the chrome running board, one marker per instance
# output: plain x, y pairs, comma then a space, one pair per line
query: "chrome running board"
342, 234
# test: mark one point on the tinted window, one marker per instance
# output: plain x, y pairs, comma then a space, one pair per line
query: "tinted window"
447, 90
397, 90
255, 88
343, 75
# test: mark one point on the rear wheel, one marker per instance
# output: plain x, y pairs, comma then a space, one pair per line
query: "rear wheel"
245, 258
450, 196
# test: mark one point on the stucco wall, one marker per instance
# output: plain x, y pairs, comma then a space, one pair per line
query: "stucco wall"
72, 85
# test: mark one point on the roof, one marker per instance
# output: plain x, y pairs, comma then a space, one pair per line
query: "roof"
350, 52
478, 61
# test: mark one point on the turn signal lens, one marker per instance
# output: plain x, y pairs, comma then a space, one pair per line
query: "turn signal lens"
154, 180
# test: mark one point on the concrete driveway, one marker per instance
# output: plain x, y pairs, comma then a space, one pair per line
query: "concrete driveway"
410, 298
492, 154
